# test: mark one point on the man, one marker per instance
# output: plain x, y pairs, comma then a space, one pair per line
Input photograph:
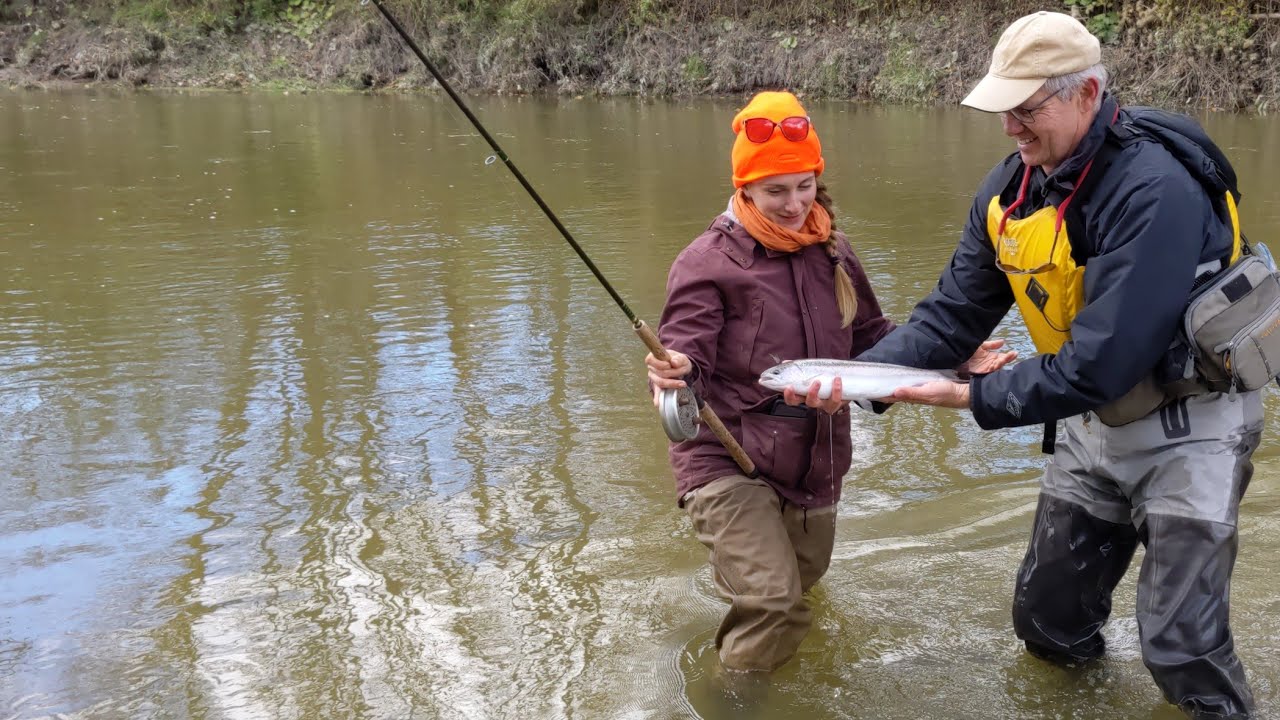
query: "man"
1098, 232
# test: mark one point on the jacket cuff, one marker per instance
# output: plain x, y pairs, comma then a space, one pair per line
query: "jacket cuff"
983, 414
694, 380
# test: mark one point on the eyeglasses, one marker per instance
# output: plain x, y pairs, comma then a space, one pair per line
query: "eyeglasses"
1027, 116
759, 130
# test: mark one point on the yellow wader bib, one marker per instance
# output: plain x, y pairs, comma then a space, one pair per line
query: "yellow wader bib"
1035, 253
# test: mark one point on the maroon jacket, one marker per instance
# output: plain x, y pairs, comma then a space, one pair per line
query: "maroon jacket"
737, 308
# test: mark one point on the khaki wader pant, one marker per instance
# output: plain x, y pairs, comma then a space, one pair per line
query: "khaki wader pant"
764, 557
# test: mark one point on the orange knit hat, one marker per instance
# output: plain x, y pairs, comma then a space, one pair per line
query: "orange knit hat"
777, 155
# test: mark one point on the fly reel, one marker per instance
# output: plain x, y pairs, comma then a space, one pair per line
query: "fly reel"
678, 409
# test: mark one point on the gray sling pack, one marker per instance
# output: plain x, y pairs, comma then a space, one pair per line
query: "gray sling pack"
1233, 326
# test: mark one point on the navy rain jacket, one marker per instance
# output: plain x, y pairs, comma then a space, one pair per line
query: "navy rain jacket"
1141, 227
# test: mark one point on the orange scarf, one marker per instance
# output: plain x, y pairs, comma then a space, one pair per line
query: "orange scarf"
816, 229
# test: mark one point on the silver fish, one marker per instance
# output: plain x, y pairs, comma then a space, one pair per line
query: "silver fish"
859, 381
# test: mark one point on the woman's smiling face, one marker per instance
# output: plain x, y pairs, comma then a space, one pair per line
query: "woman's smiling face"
784, 199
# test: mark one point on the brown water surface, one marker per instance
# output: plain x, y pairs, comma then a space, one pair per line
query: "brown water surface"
306, 412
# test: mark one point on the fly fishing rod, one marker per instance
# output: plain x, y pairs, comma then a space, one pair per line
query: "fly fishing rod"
679, 409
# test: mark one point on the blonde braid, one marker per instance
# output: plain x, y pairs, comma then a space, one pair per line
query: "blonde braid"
846, 297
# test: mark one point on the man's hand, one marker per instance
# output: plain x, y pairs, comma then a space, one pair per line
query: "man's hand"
666, 374
942, 393
988, 358
830, 406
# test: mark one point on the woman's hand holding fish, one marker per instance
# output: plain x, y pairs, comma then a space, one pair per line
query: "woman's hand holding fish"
666, 374
987, 359
830, 406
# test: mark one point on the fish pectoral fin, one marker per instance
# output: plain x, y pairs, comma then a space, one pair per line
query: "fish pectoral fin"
864, 404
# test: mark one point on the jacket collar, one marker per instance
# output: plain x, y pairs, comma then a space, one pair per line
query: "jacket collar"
738, 243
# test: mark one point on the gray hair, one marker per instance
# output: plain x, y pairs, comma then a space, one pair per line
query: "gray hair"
1071, 83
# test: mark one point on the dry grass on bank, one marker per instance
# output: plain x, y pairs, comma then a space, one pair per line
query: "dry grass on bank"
1205, 53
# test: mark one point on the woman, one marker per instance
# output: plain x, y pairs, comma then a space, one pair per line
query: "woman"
769, 280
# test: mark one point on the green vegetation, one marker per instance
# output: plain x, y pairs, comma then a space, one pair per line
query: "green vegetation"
906, 76
1100, 16
696, 69
298, 17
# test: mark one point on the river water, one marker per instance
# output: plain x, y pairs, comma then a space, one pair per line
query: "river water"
306, 411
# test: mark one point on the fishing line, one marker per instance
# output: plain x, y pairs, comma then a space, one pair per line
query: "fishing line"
677, 408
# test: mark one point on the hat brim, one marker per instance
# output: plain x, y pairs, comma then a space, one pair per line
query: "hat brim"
996, 94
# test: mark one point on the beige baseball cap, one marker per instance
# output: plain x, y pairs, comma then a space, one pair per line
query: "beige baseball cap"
1033, 49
